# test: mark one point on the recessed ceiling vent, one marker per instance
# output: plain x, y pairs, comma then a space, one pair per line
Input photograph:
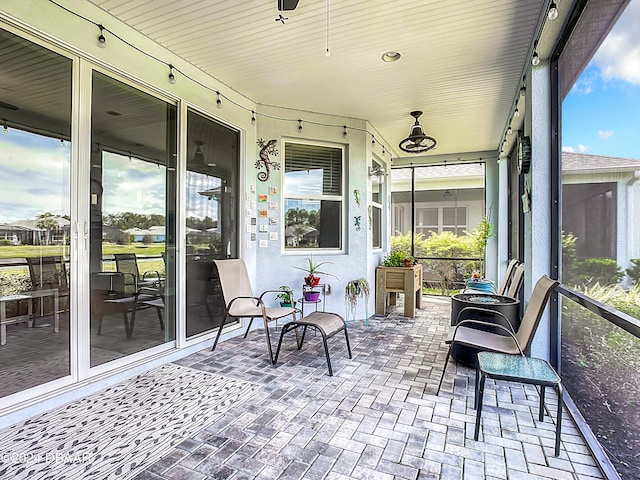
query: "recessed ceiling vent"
417, 141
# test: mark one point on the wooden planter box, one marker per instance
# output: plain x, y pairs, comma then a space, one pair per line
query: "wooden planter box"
393, 280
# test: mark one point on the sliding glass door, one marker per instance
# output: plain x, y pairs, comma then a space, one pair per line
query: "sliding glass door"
132, 210
35, 214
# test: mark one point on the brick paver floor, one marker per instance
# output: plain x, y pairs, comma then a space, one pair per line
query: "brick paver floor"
377, 418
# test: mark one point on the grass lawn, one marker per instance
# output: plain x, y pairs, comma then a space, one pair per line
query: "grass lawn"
21, 251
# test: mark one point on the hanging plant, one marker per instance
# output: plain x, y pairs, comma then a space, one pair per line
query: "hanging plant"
355, 289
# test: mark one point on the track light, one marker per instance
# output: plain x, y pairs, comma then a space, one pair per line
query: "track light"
218, 100
102, 42
516, 112
373, 140
172, 77
300, 125
523, 91
535, 59
509, 130
253, 117
344, 133
553, 11
5, 127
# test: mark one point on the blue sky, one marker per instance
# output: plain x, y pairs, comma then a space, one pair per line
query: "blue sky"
600, 115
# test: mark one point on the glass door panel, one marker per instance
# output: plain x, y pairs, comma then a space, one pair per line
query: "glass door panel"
211, 212
35, 214
132, 204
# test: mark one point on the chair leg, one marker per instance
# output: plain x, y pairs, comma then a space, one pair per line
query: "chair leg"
248, 328
346, 337
160, 318
444, 369
326, 353
541, 408
215, 342
558, 419
479, 409
475, 399
285, 329
266, 332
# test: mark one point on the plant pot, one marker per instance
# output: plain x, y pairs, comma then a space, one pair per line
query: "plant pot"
288, 304
312, 296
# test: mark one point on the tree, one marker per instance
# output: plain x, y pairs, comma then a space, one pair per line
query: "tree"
47, 222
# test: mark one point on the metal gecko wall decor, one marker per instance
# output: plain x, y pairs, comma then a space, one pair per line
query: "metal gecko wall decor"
266, 149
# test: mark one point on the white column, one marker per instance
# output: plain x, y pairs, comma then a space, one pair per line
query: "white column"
538, 220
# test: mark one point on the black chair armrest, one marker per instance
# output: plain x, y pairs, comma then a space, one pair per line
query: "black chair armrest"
486, 324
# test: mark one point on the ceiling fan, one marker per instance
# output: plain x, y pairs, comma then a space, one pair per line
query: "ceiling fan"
287, 5
417, 141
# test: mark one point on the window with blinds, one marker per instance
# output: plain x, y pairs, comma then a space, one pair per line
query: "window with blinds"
313, 196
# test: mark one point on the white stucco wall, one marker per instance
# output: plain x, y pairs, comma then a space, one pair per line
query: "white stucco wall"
358, 259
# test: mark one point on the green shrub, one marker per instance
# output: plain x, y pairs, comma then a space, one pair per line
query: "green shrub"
446, 245
568, 258
604, 271
634, 271
6, 242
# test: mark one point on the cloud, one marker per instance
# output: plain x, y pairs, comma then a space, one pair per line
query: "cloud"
618, 58
605, 134
579, 149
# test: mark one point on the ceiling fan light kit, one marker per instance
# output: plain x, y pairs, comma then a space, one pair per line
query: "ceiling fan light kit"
417, 141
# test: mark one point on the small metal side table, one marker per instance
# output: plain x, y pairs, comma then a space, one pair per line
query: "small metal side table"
516, 368
320, 300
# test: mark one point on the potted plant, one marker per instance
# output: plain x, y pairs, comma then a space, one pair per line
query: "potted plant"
312, 279
355, 289
398, 258
286, 296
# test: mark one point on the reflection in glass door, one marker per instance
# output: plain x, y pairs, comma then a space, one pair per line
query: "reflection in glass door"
211, 225
132, 202
35, 214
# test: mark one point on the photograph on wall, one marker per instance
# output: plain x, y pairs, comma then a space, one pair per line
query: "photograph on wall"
273, 235
253, 220
263, 228
262, 197
273, 191
273, 221
273, 205
264, 243
253, 237
262, 213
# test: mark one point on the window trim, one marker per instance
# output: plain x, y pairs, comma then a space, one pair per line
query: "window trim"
341, 198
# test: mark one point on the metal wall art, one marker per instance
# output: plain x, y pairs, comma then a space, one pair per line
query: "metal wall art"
266, 149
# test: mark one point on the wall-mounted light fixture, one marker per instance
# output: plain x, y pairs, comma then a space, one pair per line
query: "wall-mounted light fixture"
377, 171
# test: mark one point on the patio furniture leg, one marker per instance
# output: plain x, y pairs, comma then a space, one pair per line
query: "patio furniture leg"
248, 328
444, 369
346, 337
479, 405
215, 342
266, 332
475, 398
558, 419
326, 353
160, 318
541, 409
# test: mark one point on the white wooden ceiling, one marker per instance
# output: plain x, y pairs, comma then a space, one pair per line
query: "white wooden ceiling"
462, 60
